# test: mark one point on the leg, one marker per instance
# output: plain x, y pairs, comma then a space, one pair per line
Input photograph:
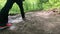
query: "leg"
20, 4
4, 13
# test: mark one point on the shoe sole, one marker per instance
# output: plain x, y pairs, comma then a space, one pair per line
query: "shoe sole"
4, 27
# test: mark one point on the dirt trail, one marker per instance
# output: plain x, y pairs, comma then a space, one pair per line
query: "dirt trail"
36, 23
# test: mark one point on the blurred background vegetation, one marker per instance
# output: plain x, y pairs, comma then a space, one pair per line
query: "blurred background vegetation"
33, 5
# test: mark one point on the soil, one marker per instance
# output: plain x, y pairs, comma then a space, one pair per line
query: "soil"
39, 22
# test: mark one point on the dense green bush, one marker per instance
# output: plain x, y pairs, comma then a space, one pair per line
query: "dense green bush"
33, 5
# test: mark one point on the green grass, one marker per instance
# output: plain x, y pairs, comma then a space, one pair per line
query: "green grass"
33, 5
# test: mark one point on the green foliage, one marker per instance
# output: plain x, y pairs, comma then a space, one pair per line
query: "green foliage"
33, 5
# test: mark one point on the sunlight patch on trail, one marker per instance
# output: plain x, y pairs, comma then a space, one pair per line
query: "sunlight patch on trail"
17, 20
45, 14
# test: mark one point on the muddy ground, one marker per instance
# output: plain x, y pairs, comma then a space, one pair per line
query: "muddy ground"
35, 23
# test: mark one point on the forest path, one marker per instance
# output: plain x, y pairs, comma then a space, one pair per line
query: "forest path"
36, 23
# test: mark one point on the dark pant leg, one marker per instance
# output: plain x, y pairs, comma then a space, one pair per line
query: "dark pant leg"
20, 4
4, 12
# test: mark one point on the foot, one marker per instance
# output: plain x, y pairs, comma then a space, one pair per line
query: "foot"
24, 19
7, 25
